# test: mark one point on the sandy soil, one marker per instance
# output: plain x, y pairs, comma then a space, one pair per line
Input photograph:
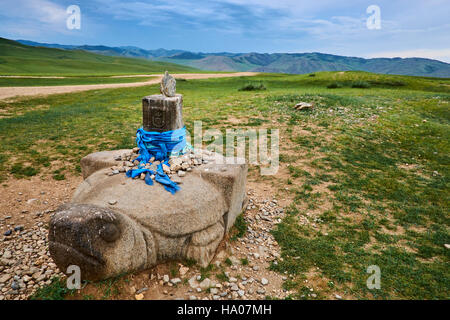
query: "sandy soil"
9, 92
24, 201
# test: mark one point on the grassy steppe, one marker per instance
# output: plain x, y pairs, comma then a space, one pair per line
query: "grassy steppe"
366, 171
18, 59
33, 82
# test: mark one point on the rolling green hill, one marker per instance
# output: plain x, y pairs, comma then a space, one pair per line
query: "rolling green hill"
293, 63
301, 63
19, 59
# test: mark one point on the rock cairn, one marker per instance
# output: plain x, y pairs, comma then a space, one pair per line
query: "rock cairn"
168, 85
179, 165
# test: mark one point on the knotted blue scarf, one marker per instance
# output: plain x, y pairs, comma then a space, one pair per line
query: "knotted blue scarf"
159, 145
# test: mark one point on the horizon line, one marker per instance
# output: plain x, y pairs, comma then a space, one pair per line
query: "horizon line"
237, 53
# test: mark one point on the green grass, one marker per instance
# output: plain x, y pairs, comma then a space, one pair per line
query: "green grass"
112, 287
253, 86
206, 272
19, 171
32, 82
344, 164
361, 84
19, 59
57, 290
222, 277
372, 193
335, 85
239, 228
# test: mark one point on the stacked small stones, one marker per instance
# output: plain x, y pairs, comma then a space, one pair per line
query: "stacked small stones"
168, 85
179, 165
25, 263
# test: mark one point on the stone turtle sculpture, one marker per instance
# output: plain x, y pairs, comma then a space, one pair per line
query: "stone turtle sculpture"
116, 225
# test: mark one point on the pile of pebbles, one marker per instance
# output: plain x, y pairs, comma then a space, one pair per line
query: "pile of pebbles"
258, 248
25, 263
178, 165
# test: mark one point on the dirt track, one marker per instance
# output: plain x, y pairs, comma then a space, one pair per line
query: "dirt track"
9, 92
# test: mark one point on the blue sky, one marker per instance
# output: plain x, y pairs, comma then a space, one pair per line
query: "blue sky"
408, 27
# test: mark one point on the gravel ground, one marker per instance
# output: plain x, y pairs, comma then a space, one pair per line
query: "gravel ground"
25, 263
257, 249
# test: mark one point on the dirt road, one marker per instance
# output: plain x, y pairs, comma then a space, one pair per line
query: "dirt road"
9, 92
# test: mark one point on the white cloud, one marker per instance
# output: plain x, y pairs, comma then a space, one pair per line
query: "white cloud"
41, 20
42, 11
157, 11
293, 6
31, 18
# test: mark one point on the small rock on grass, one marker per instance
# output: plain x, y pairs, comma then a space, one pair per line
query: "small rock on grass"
234, 287
193, 283
214, 291
183, 270
205, 284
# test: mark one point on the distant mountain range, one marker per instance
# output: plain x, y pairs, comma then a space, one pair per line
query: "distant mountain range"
295, 63
20, 59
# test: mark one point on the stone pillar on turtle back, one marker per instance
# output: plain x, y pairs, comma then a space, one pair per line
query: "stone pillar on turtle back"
163, 112
115, 225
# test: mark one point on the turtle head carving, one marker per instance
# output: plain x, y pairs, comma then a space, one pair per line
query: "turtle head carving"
98, 240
